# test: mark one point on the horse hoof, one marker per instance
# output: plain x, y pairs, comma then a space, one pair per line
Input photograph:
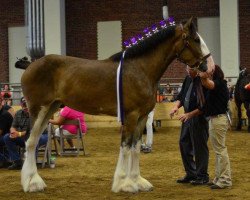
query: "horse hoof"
127, 185
36, 184
144, 185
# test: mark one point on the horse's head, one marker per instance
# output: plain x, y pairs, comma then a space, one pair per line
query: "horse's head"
190, 47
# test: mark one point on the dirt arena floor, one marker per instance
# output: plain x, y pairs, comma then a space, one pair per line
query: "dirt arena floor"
91, 177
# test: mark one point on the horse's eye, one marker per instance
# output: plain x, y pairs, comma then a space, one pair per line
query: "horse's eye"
197, 40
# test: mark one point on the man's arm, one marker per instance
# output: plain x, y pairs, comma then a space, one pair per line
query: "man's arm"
15, 134
59, 121
175, 108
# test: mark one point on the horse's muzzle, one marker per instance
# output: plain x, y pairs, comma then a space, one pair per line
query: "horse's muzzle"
203, 66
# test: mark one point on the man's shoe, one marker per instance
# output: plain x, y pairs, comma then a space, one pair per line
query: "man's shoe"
17, 165
2, 164
186, 179
200, 181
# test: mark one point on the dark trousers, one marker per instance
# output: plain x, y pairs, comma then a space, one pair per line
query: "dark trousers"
193, 147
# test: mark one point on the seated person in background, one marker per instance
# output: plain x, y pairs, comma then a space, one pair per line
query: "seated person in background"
70, 114
19, 133
168, 93
9, 109
6, 94
5, 124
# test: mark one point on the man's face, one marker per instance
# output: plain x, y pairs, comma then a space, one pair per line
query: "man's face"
24, 105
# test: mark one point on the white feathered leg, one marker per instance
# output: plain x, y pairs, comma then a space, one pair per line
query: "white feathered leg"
127, 175
30, 179
122, 168
142, 183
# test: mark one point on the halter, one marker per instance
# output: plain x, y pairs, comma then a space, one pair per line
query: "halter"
199, 61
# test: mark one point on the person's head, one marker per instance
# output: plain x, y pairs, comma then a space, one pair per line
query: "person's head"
191, 72
23, 104
6, 87
218, 73
168, 87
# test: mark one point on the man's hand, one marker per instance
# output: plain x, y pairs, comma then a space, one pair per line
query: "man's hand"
173, 111
14, 134
184, 117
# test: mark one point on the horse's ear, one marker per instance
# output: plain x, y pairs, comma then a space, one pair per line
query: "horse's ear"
188, 23
190, 27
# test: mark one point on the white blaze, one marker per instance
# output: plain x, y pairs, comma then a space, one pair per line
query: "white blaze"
205, 51
204, 48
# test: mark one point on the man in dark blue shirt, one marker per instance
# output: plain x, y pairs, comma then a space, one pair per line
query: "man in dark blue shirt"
194, 131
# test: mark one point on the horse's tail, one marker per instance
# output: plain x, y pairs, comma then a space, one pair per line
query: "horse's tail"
22, 63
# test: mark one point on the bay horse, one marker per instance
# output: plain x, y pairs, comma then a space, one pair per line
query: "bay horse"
242, 96
90, 86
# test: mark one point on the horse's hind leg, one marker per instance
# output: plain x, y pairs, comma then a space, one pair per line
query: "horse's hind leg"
127, 175
30, 179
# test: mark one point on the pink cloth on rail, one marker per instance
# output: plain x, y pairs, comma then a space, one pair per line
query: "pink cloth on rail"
69, 113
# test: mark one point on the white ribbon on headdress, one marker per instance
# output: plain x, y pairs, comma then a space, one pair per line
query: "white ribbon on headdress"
118, 88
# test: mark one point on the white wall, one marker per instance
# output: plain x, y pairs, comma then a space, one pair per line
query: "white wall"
54, 19
209, 29
229, 31
109, 38
17, 48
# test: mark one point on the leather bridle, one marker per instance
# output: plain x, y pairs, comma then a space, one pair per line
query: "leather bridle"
199, 61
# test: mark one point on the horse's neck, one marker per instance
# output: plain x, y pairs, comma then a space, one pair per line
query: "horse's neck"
156, 62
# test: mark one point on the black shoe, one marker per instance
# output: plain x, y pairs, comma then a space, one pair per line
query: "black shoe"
17, 165
2, 164
186, 179
200, 181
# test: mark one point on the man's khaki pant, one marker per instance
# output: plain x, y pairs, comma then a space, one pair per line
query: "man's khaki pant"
218, 127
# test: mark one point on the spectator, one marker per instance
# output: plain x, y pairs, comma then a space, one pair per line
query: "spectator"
69, 113
168, 93
5, 124
6, 94
194, 130
19, 133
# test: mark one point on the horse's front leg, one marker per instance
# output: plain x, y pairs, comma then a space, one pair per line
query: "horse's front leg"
127, 175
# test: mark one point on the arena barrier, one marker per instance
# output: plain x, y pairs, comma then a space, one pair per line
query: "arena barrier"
161, 117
